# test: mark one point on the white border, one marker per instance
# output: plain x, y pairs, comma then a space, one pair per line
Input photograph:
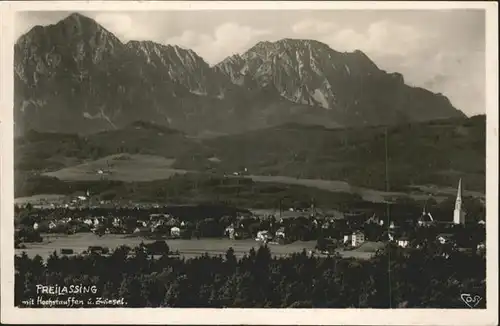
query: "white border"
10, 314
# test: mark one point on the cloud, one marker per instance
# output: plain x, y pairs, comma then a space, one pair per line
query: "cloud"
226, 39
124, 27
381, 38
457, 74
23, 22
313, 26
396, 39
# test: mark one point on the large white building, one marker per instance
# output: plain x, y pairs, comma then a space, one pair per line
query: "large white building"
355, 238
458, 213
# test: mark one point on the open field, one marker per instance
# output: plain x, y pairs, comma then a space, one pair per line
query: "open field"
144, 168
120, 167
369, 246
419, 192
187, 248
40, 199
371, 195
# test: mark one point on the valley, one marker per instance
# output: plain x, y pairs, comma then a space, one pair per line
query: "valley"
423, 160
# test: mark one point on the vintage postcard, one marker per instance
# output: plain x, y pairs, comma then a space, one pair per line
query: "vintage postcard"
271, 163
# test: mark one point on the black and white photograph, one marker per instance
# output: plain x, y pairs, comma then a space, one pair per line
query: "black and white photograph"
289, 159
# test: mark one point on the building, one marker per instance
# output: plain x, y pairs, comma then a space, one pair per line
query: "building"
425, 219
399, 238
358, 238
140, 229
355, 239
263, 236
142, 223
458, 213
236, 233
52, 225
175, 232
374, 219
241, 234
229, 231
281, 235
158, 216
403, 242
444, 238
116, 222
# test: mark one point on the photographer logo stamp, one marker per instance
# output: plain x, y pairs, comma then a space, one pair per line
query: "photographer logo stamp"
470, 300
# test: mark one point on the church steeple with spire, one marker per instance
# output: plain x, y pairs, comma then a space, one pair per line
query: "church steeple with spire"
459, 214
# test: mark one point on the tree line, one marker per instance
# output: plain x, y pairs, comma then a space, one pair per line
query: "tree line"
424, 278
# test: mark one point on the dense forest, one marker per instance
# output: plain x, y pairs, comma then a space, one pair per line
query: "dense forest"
189, 189
417, 153
430, 277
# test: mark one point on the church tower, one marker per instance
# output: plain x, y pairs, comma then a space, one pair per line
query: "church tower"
313, 209
459, 214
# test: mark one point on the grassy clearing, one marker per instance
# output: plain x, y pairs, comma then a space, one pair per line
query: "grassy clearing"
81, 241
371, 195
369, 247
120, 167
40, 199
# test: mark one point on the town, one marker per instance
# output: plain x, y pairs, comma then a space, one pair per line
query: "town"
333, 231
164, 256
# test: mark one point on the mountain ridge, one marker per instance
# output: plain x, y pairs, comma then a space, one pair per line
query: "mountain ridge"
76, 74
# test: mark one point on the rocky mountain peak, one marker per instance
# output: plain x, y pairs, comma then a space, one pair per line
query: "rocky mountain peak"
80, 20
162, 52
266, 48
78, 26
299, 43
309, 72
78, 35
77, 72
181, 65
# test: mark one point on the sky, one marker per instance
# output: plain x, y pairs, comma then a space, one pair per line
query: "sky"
441, 50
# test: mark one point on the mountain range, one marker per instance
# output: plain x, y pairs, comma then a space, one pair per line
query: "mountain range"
77, 77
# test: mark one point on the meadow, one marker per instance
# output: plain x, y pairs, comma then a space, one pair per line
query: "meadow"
119, 167
187, 248
370, 195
